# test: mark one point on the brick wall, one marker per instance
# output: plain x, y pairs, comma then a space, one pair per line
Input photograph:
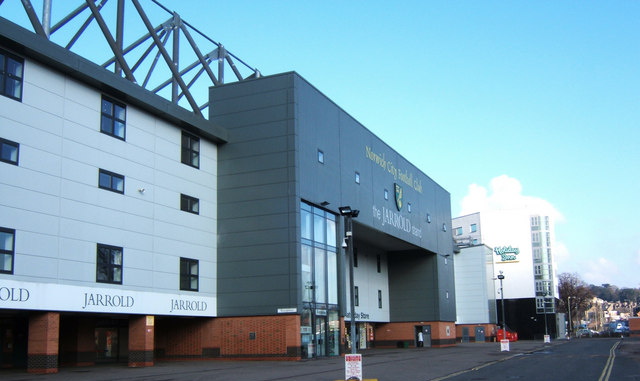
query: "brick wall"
181, 339
490, 331
44, 331
634, 327
259, 337
396, 334
141, 340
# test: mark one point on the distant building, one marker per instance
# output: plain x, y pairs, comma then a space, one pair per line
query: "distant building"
522, 241
475, 294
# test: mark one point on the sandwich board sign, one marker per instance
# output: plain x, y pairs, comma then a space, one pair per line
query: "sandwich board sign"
353, 367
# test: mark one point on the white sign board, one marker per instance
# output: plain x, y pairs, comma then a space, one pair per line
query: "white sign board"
547, 338
353, 367
59, 297
504, 345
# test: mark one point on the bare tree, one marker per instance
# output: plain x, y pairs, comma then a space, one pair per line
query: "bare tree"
574, 292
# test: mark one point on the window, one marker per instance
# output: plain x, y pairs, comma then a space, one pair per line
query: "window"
356, 295
355, 257
379, 298
190, 150
320, 157
188, 274
11, 71
111, 181
458, 231
9, 151
357, 177
113, 120
7, 250
109, 264
189, 204
473, 228
319, 259
379, 264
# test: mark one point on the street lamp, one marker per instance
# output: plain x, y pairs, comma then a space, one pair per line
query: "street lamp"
546, 332
349, 214
504, 325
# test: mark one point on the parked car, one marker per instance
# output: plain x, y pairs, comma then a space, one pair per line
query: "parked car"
584, 333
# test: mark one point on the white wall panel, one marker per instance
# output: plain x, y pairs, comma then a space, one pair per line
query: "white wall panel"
29, 136
25, 220
74, 272
60, 214
78, 94
40, 161
32, 200
42, 99
135, 277
40, 267
38, 75
75, 250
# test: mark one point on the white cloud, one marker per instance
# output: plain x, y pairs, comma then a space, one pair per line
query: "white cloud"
600, 271
504, 193
561, 254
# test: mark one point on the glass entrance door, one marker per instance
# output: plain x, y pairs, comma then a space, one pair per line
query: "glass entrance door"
321, 335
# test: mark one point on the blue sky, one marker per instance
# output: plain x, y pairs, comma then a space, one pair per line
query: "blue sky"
545, 94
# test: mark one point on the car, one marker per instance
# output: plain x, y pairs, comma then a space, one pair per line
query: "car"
584, 333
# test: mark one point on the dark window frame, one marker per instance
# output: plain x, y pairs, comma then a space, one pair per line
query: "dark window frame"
112, 118
189, 204
11, 253
355, 257
186, 276
111, 175
356, 296
108, 266
4, 143
379, 298
190, 152
5, 75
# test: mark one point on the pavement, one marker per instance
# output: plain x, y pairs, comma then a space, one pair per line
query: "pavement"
378, 364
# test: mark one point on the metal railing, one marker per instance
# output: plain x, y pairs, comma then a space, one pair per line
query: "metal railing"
142, 50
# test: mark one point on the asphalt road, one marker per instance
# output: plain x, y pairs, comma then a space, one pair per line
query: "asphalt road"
598, 359
585, 359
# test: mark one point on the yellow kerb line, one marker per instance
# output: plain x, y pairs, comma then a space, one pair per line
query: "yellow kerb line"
606, 372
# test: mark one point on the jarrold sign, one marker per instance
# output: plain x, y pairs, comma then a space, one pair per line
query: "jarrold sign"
57, 297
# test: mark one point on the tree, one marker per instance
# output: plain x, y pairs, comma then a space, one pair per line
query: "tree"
629, 294
606, 292
571, 286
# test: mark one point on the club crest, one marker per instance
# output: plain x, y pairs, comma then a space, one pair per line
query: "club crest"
398, 192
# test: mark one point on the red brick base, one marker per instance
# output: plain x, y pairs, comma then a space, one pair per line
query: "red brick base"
391, 335
42, 352
141, 332
490, 331
259, 337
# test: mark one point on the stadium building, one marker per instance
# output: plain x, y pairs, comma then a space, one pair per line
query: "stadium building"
133, 229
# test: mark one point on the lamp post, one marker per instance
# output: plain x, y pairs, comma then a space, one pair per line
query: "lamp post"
349, 214
504, 325
569, 311
546, 332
